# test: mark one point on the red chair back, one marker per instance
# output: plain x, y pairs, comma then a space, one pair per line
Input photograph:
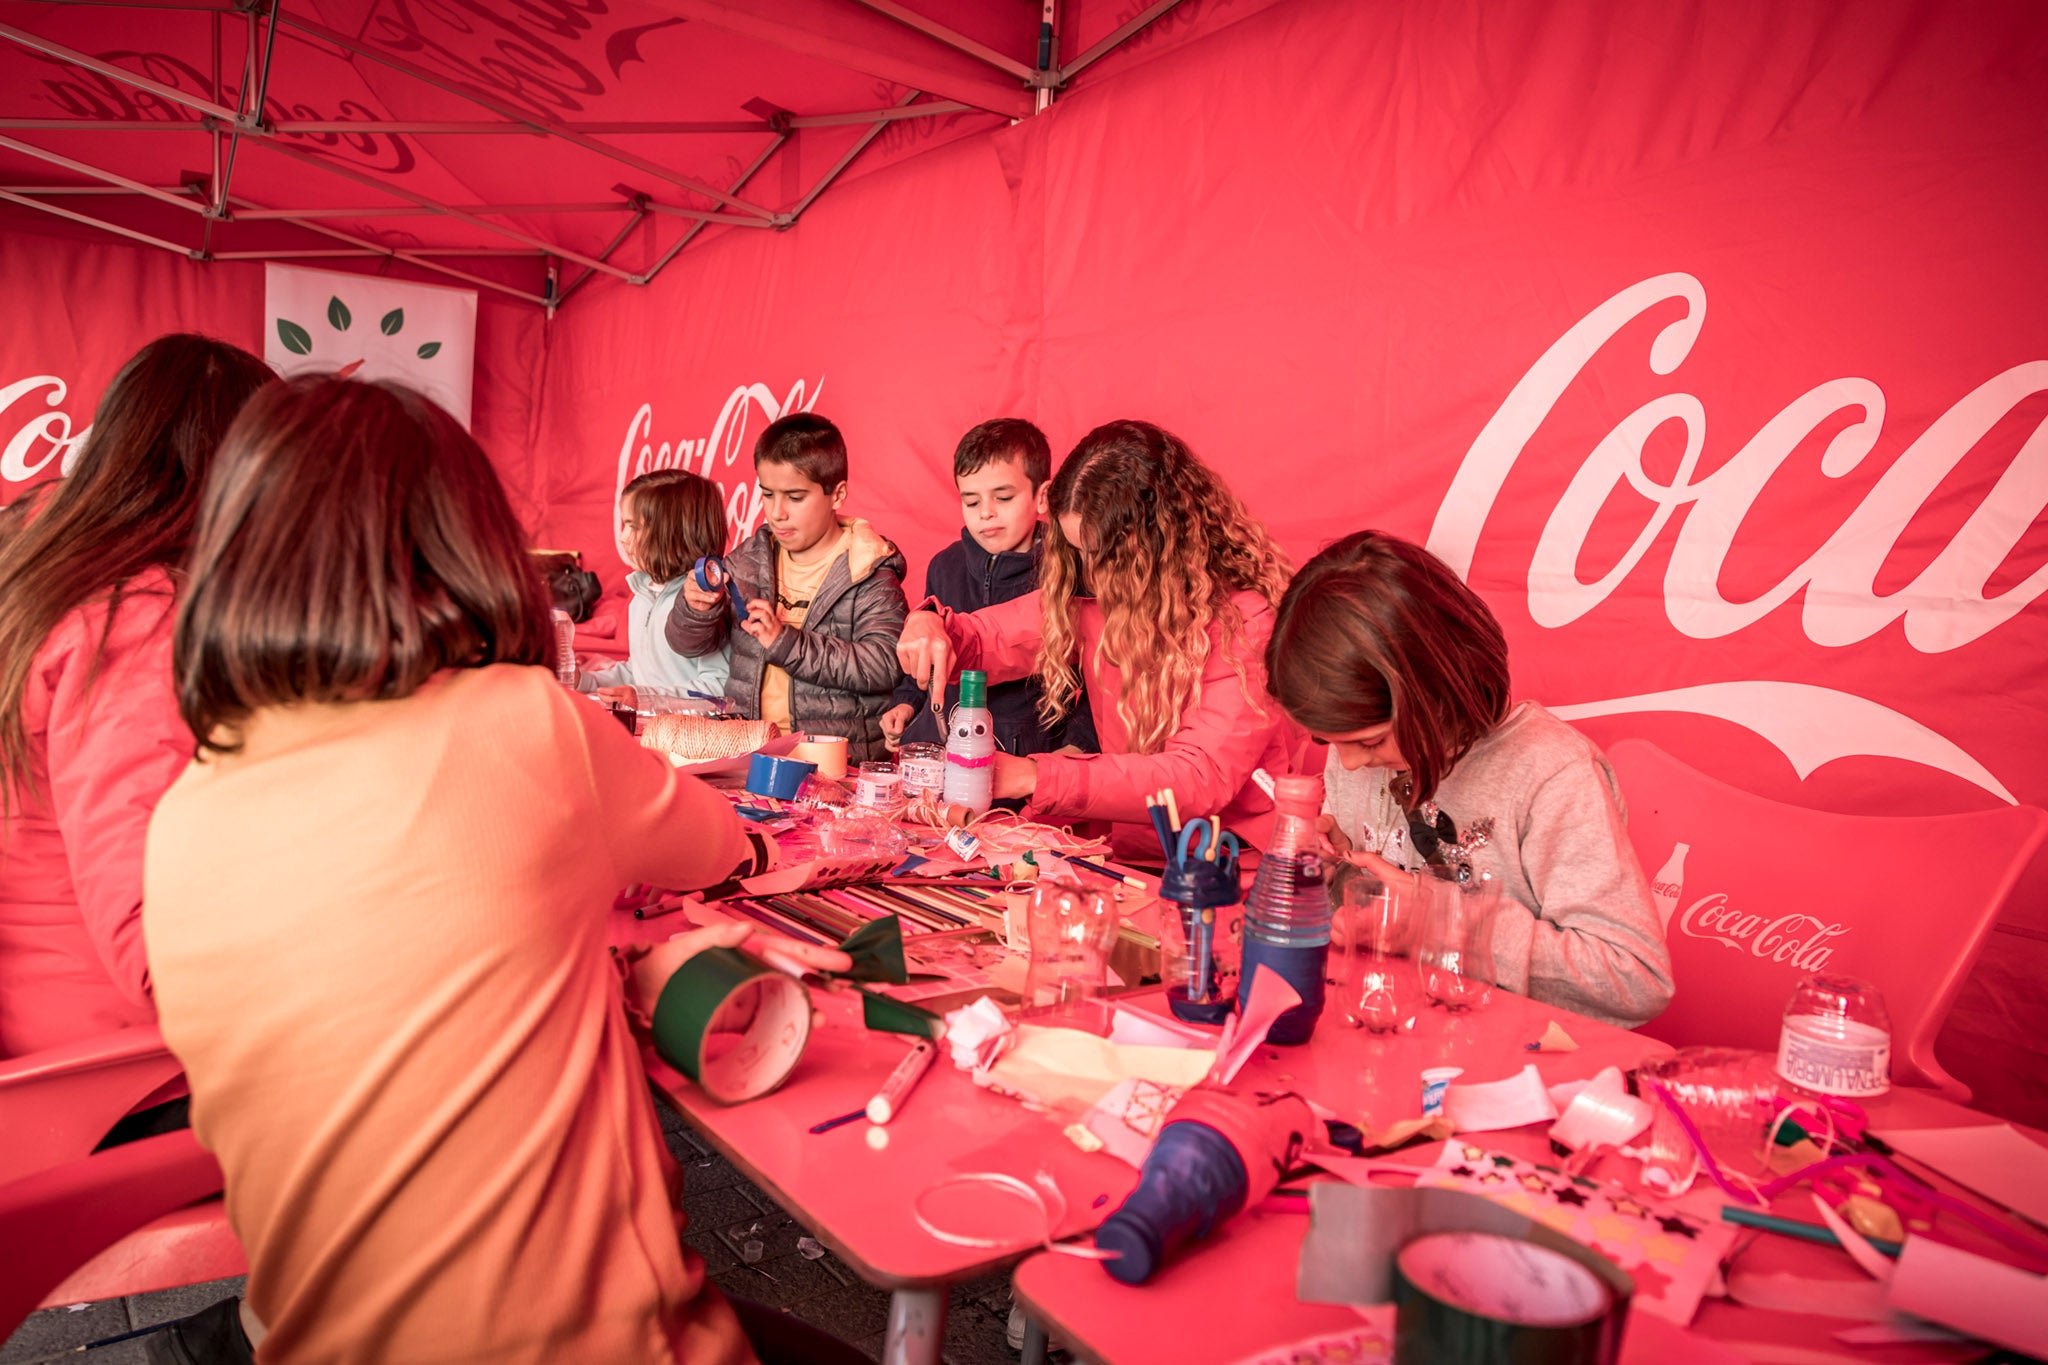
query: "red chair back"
54, 1221
57, 1104
1758, 894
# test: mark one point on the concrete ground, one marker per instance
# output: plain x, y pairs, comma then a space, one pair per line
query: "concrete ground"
751, 1248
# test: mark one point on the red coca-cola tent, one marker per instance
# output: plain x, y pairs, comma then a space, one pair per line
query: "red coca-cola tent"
1704, 338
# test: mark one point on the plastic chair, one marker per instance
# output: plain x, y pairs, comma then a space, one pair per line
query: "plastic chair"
1757, 894
56, 1105
54, 1221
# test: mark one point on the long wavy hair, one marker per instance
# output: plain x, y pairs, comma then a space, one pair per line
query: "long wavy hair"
129, 505
1172, 543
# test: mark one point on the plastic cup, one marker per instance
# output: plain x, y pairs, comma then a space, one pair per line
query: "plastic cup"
1435, 1081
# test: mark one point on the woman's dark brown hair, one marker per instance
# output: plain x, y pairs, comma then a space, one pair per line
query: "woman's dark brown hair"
128, 505
681, 517
1374, 630
353, 542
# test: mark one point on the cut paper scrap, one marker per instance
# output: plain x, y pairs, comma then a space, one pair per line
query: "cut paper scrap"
1149, 1030
1554, 1039
1369, 1343
1602, 1114
1270, 998
1070, 1071
1671, 1255
1127, 1120
1853, 1300
1493, 1105
1974, 1294
1995, 1160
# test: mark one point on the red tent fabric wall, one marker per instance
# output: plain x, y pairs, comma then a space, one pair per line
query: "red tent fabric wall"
1695, 333
1702, 336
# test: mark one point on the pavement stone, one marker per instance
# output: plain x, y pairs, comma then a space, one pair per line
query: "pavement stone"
54, 1331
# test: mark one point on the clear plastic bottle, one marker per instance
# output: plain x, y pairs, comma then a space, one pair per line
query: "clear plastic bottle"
1836, 1038
971, 745
565, 646
1287, 915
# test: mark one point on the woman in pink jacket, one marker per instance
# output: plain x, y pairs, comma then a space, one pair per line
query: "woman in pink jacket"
89, 728
1157, 592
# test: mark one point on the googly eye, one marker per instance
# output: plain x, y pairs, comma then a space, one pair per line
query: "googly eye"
980, 729
960, 732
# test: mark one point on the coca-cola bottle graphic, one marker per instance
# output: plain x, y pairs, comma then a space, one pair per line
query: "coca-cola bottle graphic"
1669, 881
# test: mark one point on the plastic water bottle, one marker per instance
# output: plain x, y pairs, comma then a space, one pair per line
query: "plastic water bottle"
1287, 915
565, 646
971, 746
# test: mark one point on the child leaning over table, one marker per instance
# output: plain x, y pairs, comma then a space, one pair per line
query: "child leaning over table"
668, 519
1001, 468
824, 593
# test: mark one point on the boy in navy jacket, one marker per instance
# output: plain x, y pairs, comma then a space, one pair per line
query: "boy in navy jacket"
1001, 468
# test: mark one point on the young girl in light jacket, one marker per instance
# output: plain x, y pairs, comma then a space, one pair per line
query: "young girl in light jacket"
668, 520
1381, 653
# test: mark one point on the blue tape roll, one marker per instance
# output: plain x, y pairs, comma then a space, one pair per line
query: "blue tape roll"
780, 778
712, 573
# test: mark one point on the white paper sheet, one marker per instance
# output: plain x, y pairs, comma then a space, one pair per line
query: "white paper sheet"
1995, 1160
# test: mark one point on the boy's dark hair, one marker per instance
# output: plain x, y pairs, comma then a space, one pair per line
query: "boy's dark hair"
1000, 439
807, 443
682, 520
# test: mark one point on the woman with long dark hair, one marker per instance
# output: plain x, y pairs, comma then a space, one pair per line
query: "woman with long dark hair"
1383, 655
89, 728
1157, 591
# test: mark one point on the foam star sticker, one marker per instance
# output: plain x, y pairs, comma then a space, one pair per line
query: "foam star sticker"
1473, 1153
1661, 1248
1504, 1161
1535, 1183
1492, 1178
1623, 1204
1516, 1200
1678, 1227
1612, 1229
1570, 1195
1463, 1172
1651, 1283
1558, 1220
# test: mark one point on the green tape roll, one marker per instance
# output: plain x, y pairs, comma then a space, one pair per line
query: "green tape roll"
1481, 1298
732, 1024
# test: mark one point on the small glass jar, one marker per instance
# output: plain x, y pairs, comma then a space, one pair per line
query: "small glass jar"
923, 770
878, 786
1836, 1038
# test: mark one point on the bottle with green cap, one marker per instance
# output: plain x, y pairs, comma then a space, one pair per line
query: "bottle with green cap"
971, 745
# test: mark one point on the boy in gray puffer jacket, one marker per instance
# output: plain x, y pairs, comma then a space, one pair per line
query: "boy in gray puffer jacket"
816, 651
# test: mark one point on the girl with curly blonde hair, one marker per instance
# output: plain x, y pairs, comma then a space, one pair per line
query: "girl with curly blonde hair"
1156, 594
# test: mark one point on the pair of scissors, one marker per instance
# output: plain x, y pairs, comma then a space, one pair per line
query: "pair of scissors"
1204, 846
713, 573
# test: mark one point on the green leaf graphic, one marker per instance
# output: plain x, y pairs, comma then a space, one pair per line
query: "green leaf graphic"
391, 322
337, 314
295, 338
427, 351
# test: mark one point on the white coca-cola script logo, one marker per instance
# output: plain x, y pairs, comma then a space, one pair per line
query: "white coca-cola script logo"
43, 436
1794, 940
1944, 607
729, 439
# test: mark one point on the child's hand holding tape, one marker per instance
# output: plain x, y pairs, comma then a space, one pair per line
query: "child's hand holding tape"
710, 577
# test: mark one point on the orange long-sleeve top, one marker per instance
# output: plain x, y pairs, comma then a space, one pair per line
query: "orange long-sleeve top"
377, 935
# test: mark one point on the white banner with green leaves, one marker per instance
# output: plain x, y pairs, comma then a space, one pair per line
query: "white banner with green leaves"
323, 321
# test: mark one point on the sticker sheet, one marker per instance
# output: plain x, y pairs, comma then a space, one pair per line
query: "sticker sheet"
1369, 1343
1671, 1255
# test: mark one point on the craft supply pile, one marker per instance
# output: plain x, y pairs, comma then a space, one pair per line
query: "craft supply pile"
1286, 1034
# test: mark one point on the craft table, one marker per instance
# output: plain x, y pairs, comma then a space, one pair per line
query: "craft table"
853, 1187
1234, 1296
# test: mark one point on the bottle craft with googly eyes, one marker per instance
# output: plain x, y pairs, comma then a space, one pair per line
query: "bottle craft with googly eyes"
971, 746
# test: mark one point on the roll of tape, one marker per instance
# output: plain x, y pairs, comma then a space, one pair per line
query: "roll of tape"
828, 752
731, 1024
712, 574
1481, 1298
781, 778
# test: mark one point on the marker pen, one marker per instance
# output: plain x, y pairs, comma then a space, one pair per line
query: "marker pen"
902, 1081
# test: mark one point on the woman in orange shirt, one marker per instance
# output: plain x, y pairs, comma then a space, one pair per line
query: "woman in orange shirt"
376, 914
